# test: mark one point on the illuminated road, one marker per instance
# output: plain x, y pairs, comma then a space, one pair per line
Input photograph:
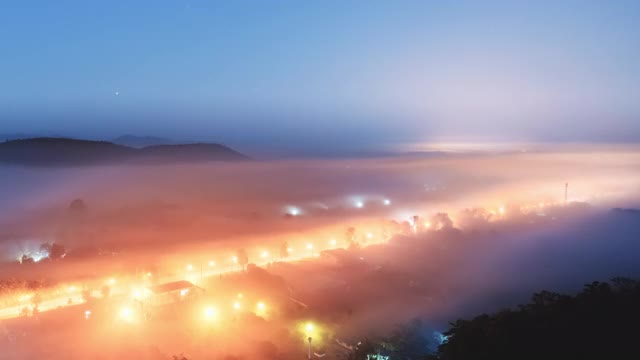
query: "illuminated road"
121, 292
195, 273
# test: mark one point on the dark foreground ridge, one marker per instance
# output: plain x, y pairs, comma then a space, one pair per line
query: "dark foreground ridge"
601, 322
73, 152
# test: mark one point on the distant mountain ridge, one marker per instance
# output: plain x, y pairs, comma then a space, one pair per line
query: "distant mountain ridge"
48, 151
141, 141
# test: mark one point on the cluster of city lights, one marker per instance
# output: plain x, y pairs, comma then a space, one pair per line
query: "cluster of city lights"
357, 203
498, 212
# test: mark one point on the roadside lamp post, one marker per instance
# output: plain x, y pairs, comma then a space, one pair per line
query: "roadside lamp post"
309, 339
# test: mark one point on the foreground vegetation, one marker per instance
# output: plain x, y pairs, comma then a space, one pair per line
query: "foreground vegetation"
601, 322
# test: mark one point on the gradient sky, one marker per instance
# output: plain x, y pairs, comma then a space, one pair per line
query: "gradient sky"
305, 76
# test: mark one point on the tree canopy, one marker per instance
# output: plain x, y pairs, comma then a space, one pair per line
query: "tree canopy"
601, 322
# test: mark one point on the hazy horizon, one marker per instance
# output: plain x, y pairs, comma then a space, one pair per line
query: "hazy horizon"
323, 78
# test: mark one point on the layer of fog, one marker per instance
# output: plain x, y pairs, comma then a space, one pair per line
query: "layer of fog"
172, 215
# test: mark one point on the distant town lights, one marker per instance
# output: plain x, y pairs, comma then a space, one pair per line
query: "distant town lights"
293, 211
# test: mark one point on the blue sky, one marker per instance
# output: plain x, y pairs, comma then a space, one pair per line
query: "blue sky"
303, 75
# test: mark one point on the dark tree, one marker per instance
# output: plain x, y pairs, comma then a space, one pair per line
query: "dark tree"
601, 322
86, 295
54, 251
77, 206
405, 342
36, 299
243, 258
364, 348
105, 291
284, 250
350, 235
57, 251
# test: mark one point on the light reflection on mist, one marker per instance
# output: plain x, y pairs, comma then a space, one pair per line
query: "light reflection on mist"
490, 229
212, 201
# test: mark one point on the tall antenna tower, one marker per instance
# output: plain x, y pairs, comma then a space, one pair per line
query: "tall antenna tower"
566, 190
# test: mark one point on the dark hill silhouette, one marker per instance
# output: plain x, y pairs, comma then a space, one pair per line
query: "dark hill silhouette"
190, 152
140, 141
601, 322
73, 152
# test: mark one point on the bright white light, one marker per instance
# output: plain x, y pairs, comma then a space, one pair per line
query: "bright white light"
386, 202
264, 254
234, 259
236, 305
293, 211
37, 257
427, 225
501, 210
310, 246
359, 204
112, 281
212, 263
137, 294
290, 250
333, 242
210, 312
189, 267
261, 306
369, 235
126, 313
184, 292
87, 314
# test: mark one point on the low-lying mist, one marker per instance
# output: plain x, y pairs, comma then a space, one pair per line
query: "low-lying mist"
493, 228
